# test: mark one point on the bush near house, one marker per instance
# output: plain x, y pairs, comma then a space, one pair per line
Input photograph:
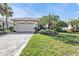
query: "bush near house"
58, 29
0, 26
38, 28
48, 32
2, 31
11, 29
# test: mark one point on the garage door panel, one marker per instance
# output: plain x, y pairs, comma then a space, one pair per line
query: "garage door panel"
25, 27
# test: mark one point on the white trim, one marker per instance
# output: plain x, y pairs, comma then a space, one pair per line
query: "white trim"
23, 46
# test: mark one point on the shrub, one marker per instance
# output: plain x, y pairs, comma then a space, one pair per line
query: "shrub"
58, 29
48, 32
52, 32
43, 31
37, 29
11, 29
41, 26
0, 26
1, 29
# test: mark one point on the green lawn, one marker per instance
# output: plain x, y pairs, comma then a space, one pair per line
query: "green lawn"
55, 45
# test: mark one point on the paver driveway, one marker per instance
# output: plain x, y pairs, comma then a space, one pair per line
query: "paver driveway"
11, 43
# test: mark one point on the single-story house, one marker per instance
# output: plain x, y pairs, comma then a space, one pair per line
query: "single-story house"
26, 24
71, 28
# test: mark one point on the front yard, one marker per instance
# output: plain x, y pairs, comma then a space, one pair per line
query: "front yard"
64, 44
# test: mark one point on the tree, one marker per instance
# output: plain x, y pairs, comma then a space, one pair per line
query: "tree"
55, 20
74, 23
51, 20
61, 24
6, 11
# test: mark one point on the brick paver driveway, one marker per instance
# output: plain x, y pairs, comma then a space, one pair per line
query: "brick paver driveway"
11, 43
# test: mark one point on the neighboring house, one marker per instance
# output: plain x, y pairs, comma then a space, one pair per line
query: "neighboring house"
3, 23
76, 27
71, 28
66, 28
25, 24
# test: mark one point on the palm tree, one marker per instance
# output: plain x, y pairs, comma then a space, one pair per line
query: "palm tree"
6, 11
50, 20
1, 10
74, 23
53, 20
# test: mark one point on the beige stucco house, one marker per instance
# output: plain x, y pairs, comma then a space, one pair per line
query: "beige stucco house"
26, 24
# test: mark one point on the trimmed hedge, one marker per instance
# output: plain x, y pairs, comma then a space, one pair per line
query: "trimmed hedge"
2, 29
48, 32
37, 29
58, 29
11, 29
43, 32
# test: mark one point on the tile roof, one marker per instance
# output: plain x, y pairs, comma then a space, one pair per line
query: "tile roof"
26, 18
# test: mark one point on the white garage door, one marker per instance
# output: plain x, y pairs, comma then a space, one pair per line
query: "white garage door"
25, 27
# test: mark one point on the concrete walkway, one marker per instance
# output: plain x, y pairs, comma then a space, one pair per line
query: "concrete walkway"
11, 43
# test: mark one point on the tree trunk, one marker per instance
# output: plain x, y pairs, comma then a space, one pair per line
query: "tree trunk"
3, 25
6, 23
49, 25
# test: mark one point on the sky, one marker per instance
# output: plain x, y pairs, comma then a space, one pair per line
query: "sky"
64, 10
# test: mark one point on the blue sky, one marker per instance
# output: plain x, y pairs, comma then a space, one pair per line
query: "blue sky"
64, 10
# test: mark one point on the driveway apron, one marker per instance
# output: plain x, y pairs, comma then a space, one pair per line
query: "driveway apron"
11, 43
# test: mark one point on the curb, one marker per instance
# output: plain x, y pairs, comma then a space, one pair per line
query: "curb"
23, 46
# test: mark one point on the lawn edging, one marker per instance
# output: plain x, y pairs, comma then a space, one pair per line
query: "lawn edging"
23, 46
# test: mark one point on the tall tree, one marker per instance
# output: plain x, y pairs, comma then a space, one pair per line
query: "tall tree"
62, 24
74, 23
51, 20
1, 12
6, 11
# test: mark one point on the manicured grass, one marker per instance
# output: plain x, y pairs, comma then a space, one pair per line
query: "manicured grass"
55, 45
